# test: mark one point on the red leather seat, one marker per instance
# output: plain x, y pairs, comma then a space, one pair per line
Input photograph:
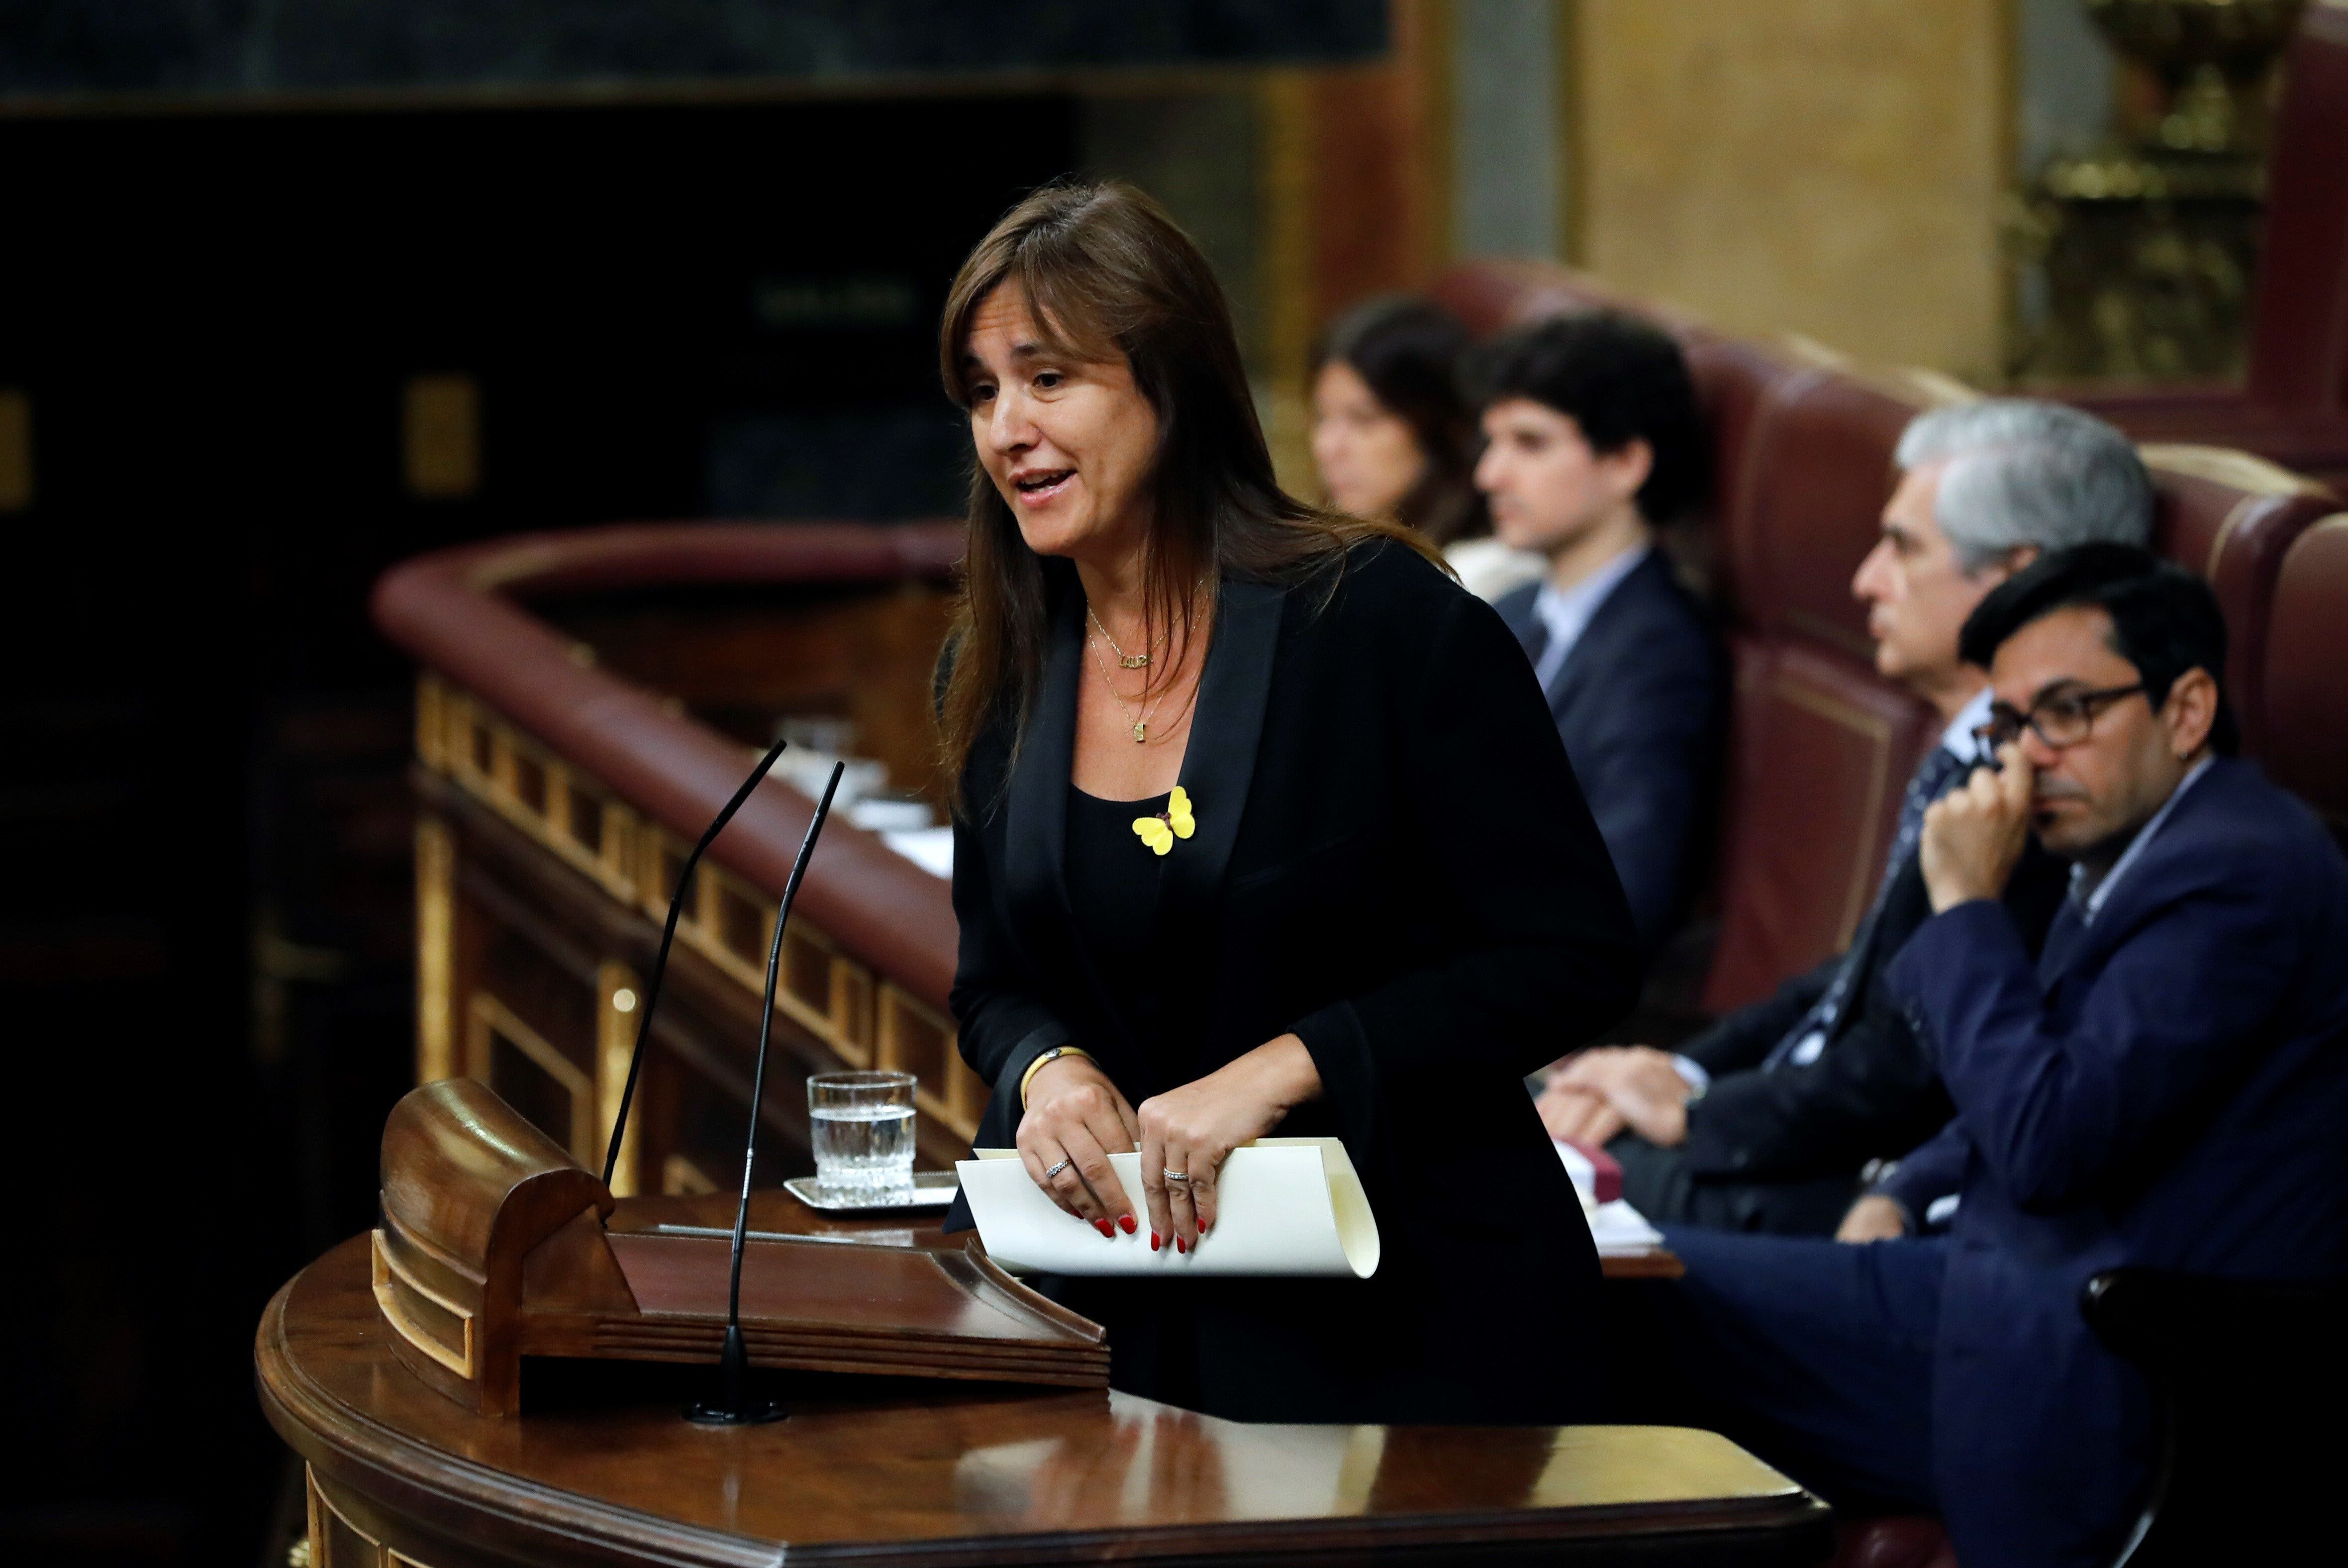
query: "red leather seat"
2232, 517
2306, 691
1820, 745
1492, 293
1896, 1541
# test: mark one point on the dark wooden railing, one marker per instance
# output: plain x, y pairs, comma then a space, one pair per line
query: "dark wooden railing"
587, 702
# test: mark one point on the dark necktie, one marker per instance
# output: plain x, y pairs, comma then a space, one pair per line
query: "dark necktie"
1934, 777
1536, 642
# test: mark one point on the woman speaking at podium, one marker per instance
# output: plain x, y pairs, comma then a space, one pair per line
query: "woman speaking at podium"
1262, 829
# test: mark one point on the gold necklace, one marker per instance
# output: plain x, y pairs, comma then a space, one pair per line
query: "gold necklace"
1124, 659
1134, 662
1141, 720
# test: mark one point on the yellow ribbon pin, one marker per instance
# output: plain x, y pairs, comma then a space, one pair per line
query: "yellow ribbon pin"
1176, 821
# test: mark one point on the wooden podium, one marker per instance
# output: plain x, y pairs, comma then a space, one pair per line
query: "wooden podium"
888, 1472
496, 1245
395, 1366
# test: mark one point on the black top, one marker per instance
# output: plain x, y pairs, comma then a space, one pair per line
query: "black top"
1393, 862
1113, 881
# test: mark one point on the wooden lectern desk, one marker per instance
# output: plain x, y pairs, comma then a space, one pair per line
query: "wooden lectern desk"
884, 1471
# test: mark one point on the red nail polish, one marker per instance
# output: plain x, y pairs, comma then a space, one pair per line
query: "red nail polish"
1206, 1225
1153, 1240
1179, 1245
1125, 1223
1104, 1227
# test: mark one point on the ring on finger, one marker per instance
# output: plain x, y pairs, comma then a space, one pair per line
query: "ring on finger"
1174, 1175
1055, 1169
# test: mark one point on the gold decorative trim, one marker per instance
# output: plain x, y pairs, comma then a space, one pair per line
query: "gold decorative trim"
897, 1015
834, 997
312, 1506
619, 1004
436, 950
322, 1554
387, 1269
486, 1015
430, 729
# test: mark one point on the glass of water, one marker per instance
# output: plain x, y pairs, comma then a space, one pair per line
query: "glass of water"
863, 1132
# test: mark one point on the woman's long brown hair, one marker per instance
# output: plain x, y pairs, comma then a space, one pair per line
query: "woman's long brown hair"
1107, 274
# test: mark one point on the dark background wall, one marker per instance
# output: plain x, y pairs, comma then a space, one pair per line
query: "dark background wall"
204, 928
243, 46
679, 261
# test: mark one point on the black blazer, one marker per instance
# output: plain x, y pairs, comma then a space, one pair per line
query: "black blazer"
1393, 862
1872, 1093
1641, 706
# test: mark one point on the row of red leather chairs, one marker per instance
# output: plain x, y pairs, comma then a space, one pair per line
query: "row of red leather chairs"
1821, 745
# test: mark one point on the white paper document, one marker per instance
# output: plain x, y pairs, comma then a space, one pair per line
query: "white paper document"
1284, 1206
1618, 1228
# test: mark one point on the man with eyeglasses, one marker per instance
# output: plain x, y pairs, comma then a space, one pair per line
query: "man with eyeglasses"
2164, 1087
1765, 1121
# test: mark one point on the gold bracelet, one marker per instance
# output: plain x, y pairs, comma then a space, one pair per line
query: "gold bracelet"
1053, 1055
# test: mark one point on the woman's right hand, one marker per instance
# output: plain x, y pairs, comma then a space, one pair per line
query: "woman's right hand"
1074, 1121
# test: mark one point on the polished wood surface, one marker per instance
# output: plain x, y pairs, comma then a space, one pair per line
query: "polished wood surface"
890, 1471
495, 1245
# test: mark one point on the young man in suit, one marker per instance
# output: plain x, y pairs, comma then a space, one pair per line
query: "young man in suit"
1592, 437
2162, 1087
1764, 1122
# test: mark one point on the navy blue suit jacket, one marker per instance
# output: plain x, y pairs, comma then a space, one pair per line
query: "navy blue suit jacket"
2166, 1087
1640, 704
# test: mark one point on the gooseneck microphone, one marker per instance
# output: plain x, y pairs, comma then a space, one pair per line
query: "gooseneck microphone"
668, 936
735, 1407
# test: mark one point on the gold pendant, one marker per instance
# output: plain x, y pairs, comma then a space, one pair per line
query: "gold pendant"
1141, 732
1133, 661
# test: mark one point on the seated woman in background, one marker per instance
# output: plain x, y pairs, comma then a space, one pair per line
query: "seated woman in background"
1396, 440
1260, 828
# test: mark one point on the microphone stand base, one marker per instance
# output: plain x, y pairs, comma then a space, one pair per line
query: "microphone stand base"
756, 1413
737, 1405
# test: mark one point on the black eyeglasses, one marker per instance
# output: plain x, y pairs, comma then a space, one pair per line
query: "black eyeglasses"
2060, 720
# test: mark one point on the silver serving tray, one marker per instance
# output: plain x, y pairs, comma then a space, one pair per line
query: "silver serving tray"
930, 1189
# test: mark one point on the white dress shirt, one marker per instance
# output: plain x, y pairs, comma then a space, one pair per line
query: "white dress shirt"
1490, 569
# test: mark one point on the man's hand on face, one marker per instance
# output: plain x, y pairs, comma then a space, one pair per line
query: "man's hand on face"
1641, 1086
1974, 833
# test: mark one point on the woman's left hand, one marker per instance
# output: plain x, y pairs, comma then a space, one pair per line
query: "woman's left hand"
1190, 1131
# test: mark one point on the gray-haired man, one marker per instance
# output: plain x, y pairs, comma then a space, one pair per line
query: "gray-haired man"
1764, 1121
